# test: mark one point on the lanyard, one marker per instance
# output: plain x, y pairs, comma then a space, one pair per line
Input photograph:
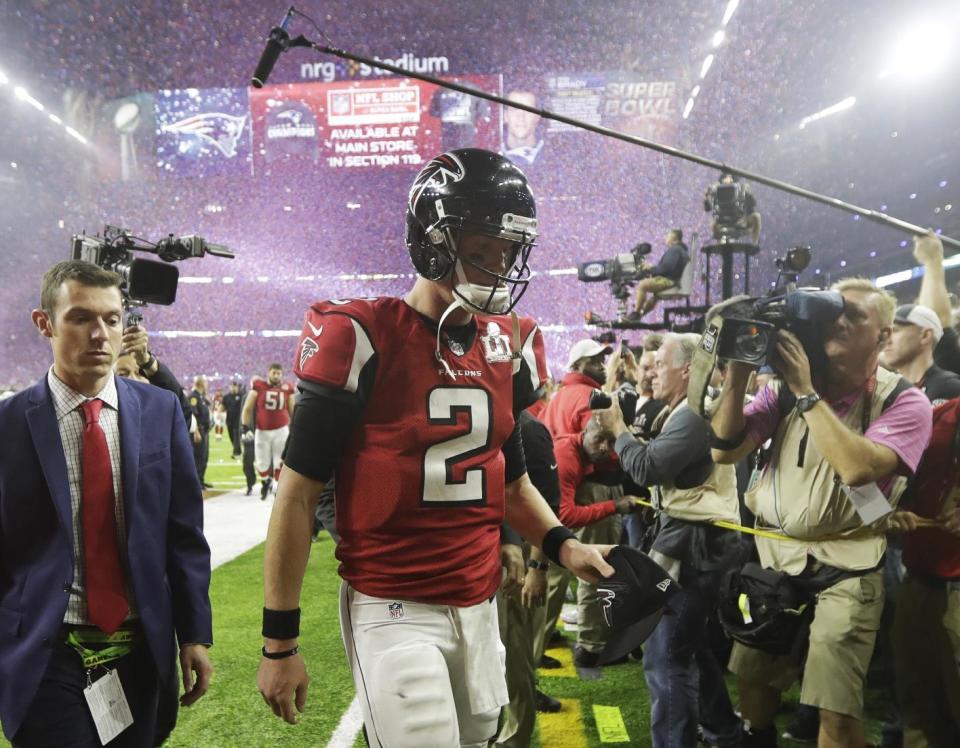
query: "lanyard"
121, 643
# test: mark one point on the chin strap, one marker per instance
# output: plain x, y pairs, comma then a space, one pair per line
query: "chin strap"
457, 303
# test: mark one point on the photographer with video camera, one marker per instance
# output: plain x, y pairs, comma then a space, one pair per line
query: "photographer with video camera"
664, 275
734, 209
689, 492
137, 362
844, 439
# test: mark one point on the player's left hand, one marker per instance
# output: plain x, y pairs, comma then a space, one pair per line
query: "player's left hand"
586, 561
795, 366
511, 556
534, 592
194, 659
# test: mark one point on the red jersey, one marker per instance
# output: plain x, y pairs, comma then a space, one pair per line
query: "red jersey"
569, 409
420, 482
272, 404
572, 468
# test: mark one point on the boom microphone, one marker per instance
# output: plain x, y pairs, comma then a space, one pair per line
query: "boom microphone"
276, 43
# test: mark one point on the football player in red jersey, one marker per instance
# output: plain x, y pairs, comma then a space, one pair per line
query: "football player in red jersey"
273, 401
411, 403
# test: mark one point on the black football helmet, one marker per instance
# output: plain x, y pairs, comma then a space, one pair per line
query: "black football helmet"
471, 190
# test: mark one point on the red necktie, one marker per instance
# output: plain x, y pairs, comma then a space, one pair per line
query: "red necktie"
106, 596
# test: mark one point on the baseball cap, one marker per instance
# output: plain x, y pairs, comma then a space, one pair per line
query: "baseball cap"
632, 600
921, 316
586, 348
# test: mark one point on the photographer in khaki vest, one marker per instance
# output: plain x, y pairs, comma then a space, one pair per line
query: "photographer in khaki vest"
852, 426
689, 491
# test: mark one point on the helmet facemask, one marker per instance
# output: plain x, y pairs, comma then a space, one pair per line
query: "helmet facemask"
496, 293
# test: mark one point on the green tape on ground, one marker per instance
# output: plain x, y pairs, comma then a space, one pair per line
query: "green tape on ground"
610, 725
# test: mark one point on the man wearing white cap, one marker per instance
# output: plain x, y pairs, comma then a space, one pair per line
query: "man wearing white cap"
909, 352
569, 410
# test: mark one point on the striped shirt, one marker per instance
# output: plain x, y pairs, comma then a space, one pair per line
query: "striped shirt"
67, 405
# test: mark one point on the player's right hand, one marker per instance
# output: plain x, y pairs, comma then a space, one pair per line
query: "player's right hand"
283, 685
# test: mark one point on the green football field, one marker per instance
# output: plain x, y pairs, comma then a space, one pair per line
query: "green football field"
233, 713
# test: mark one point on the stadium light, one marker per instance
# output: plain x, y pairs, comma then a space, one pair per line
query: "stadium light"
21, 93
4, 80
830, 110
704, 69
728, 13
922, 49
74, 134
718, 38
688, 108
695, 92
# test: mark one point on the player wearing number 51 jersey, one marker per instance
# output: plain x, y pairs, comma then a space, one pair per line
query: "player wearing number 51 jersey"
269, 405
410, 403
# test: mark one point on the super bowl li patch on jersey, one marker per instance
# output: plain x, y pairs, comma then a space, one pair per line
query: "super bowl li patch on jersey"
496, 345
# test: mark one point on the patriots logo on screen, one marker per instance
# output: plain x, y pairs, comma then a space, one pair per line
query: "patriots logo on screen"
396, 610
441, 171
216, 129
307, 349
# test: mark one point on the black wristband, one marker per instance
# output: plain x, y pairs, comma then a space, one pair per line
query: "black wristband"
537, 565
555, 537
279, 655
281, 624
727, 445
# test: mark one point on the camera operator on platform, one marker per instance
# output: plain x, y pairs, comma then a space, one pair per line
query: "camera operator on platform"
664, 275
734, 209
855, 425
685, 681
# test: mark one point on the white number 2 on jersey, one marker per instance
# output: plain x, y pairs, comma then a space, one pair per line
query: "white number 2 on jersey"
273, 400
439, 486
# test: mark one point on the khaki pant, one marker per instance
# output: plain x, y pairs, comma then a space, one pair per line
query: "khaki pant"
519, 717
926, 635
842, 636
544, 619
593, 630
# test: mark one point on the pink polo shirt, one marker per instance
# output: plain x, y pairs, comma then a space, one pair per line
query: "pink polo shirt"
904, 427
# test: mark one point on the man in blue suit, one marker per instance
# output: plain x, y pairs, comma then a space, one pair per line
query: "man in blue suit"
103, 561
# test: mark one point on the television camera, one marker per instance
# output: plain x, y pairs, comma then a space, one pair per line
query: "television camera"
143, 281
625, 269
745, 328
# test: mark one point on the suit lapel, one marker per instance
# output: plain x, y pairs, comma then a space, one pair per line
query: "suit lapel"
42, 422
129, 444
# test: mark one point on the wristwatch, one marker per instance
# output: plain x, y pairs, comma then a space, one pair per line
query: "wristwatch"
538, 565
806, 402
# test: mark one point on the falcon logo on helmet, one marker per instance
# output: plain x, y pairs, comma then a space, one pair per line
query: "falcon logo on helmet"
442, 170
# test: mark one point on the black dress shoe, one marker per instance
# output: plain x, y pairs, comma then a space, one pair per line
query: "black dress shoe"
546, 703
207, 485
249, 490
550, 663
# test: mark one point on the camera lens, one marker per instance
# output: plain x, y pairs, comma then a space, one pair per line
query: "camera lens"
752, 342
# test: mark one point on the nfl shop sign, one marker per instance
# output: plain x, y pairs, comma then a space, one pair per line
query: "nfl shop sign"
368, 124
